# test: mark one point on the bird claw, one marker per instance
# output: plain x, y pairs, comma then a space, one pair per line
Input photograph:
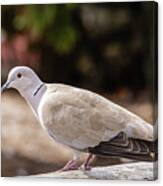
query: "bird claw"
85, 167
71, 165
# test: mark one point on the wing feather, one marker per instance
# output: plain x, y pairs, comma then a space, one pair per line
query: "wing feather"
135, 149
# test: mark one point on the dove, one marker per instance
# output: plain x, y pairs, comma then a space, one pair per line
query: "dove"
83, 120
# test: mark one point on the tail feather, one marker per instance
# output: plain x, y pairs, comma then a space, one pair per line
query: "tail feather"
122, 146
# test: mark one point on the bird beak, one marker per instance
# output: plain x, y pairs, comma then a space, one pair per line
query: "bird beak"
5, 86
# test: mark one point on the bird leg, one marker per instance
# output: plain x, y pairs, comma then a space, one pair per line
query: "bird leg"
88, 161
72, 164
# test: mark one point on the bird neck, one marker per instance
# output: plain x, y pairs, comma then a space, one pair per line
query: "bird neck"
34, 94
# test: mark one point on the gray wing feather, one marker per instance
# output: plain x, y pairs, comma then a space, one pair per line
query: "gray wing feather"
122, 146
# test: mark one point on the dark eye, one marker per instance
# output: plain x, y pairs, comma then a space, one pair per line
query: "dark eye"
19, 75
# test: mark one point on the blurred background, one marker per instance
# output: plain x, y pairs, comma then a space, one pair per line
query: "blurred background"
109, 48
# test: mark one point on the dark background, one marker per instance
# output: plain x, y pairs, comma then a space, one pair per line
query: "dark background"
109, 48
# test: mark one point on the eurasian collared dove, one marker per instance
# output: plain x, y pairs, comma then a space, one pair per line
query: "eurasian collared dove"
83, 120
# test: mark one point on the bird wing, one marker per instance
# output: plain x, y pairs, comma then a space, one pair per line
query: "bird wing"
82, 119
122, 146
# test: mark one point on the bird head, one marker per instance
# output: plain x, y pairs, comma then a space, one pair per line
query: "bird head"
21, 78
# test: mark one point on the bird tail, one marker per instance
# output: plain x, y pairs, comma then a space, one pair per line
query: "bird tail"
131, 148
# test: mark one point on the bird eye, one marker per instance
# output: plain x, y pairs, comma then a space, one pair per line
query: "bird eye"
19, 75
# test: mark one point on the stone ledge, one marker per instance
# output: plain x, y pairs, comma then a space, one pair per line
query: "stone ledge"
129, 171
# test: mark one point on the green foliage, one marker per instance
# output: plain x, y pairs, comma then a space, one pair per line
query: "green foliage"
63, 40
51, 22
109, 45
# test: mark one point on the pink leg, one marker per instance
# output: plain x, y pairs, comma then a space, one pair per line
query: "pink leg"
88, 161
71, 165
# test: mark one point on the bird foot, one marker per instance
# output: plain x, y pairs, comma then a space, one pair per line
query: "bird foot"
85, 167
71, 165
